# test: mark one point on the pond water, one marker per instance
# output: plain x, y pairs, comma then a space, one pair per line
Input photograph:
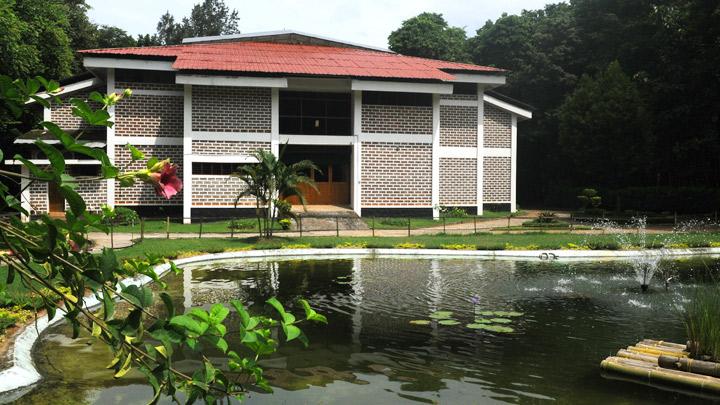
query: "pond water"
573, 316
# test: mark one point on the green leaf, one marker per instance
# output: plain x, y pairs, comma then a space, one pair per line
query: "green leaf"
57, 161
10, 275
169, 305
441, 315
152, 162
273, 302
124, 368
291, 331
310, 313
500, 320
108, 304
496, 328
188, 323
135, 153
218, 313
77, 204
242, 312
510, 314
199, 314
34, 169
108, 263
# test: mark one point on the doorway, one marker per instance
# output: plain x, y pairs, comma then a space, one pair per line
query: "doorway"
332, 178
56, 201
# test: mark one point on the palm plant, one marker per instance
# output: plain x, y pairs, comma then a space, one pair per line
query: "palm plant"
271, 180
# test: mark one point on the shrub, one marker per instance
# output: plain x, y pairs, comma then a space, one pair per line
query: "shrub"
677, 246
285, 223
394, 221
452, 212
242, 224
458, 246
12, 316
602, 245
589, 198
546, 217
572, 246
408, 245
714, 244
239, 249
509, 246
351, 245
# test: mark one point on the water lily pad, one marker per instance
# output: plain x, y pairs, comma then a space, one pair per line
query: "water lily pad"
486, 313
482, 320
449, 322
420, 322
475, 325
496, 328
500, 320
441, 315
508, 314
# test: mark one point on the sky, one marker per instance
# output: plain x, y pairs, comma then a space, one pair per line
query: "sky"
367, 22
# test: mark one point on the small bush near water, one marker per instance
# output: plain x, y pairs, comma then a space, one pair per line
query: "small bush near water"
702, 322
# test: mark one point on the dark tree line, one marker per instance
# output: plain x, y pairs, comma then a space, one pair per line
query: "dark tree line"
626, 94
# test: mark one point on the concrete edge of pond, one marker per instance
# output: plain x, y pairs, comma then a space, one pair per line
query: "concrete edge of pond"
23, 374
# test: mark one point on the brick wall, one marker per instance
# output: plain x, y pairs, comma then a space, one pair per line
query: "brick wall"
219, 191
38, 197
458, 126
93, 192
458, 181
62, 115
141, 193
396, 119
497, 127
396, 174
496, 179
227, 147
231, 109
149, 115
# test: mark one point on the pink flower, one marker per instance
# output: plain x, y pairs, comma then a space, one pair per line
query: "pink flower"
166, 182
74, 247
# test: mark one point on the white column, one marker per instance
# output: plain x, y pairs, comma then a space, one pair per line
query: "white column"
275, 122
513, 165
357, 153
480, 149
47, 114
25, 193
187, 287
110, 140
358, 291
435, 187
187, 154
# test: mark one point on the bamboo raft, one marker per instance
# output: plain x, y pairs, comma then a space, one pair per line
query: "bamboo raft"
665, 364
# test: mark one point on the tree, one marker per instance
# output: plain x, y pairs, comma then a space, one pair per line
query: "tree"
605, 131
52, 258
113, 37
428, 35
211, 17
269, 182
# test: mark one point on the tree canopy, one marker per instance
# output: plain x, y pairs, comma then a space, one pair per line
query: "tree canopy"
428, 35
211, 17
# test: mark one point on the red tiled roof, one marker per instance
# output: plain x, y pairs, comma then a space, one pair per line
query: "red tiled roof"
279, 58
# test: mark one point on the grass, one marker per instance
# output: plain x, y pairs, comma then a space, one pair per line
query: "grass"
418, 223
242, 225
703, 324
176, 247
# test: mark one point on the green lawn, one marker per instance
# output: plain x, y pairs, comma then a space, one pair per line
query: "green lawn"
175, 247
242, 225
417, 223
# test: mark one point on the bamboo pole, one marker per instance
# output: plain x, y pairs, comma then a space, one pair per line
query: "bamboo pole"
652, 342
647, 372
690, 365
637, 356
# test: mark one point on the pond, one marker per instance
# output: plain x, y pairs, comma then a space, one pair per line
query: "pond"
572, 316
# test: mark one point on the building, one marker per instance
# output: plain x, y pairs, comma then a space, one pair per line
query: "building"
393, 134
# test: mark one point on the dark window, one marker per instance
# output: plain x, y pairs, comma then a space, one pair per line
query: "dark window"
322, 173
396, 98
465, 88
144, 76
308, 113
83, 170
215, 168
340, 173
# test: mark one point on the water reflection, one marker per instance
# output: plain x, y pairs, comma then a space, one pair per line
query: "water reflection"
575, 314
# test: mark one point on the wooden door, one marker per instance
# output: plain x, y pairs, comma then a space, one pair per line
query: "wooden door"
333, 186
56, 201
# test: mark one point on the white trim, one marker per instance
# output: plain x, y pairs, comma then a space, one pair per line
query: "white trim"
461, 103
231, 136
318, 84
222, 206
237, 81
397, 206
220, 159
12, 162
316, 139
121, 63
259, 35
110, 141
187, 153
507, 107
47, 114
72, 87
407, 87
435, 165
513, 165
481, 78
275, 121
398, 138
55, 142
496, 202
497, 152
148, 140
457, 152
170, 93
480, 163
357, 153
25, 193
